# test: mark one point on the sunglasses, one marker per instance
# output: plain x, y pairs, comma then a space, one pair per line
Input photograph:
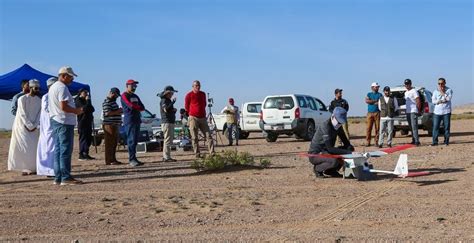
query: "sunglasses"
441, 83
35, 88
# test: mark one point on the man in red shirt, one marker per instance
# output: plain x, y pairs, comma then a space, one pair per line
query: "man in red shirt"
195, 104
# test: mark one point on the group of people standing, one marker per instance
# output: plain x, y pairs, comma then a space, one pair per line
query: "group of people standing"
43, 131
382, 108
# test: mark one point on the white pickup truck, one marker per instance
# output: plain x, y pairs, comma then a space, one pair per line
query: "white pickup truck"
249, 119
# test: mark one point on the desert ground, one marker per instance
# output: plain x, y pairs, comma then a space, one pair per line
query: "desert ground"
285, 202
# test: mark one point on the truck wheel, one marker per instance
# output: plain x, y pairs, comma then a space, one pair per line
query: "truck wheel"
430, 132
310, 129
271, 137
404, 132
298, 136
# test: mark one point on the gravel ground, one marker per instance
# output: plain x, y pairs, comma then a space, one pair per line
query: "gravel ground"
285, 202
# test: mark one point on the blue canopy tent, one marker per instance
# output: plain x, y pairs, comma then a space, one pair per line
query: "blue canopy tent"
10, 82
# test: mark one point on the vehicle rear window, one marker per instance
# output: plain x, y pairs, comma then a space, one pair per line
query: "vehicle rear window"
254, 108
400, 96
281, 103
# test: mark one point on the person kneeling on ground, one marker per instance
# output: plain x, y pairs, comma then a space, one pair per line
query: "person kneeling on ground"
324, 141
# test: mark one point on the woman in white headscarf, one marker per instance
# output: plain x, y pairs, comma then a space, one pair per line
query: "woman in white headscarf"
25, 133
45, 153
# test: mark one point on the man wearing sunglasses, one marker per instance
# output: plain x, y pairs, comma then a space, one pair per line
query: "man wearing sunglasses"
442, 112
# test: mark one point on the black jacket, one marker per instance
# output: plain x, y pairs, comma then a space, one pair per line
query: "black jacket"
324, 140
339, 103
167, 111
87, 117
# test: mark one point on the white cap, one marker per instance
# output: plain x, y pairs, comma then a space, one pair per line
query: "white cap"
51, 81
34, 83
67, 70
375, 84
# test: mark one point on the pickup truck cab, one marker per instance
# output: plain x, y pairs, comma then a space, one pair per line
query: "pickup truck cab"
249, 119
292, 114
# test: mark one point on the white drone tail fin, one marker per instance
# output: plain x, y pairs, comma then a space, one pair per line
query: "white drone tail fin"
402, 166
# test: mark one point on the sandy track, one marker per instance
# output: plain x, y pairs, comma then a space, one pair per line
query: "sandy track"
282, 203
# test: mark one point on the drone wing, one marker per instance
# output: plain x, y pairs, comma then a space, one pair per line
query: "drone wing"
390, 150
334, 156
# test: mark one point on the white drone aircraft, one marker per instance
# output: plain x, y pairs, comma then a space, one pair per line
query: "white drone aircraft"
357, 164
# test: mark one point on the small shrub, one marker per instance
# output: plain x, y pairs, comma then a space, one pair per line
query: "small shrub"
265, 163
228, 157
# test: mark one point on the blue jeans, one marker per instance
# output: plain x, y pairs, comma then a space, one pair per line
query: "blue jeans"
133, 133
233, 129
63, 144
412, 119
436, 124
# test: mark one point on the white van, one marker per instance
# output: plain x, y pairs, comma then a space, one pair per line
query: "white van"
292, 114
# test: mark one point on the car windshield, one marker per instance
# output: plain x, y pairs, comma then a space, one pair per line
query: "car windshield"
281, 103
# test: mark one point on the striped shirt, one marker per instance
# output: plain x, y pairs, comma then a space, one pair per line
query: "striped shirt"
108, 106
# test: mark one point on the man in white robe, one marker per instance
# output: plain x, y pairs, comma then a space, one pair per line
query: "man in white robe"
25, 133
45, 153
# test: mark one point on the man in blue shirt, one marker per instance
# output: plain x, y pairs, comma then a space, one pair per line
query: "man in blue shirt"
373, 113
132, 106
442, 112
25, 89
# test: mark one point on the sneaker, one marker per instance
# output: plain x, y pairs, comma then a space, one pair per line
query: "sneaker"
135, 163
57, 183
88, 157
82, 157
380, 146
389, 145
71, 182
418, 144
433, 144
169, 160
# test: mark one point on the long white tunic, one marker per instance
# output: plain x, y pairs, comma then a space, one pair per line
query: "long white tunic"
45, 153
22, 153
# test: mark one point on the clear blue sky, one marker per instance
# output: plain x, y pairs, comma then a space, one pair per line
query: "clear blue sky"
243, 49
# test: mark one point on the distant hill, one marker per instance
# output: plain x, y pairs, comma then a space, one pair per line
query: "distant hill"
463, 109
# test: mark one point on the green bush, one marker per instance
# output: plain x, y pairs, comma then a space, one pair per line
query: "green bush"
227, 158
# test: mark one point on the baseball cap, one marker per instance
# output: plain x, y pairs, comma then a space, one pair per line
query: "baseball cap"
386, 88
51, 81
82, 90
115, 90
375, 84
34, 83
407, 81
68, 70
337, 91
340, 114
131, 81
170, 88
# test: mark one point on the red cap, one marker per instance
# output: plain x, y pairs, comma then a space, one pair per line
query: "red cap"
131, 81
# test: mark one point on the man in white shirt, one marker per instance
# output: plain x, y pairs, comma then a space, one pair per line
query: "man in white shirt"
63, 111
388, 107
413, 108
442, 112
232, 120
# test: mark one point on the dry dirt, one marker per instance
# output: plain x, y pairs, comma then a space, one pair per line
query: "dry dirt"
171, 201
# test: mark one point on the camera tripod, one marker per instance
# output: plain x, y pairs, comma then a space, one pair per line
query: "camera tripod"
212, 126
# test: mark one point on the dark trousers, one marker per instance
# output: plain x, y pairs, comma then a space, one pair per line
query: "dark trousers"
111, 140
325, 164
133, 132
85, 137
447, 127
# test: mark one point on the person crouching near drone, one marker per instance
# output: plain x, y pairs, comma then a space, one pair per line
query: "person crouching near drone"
324, 141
